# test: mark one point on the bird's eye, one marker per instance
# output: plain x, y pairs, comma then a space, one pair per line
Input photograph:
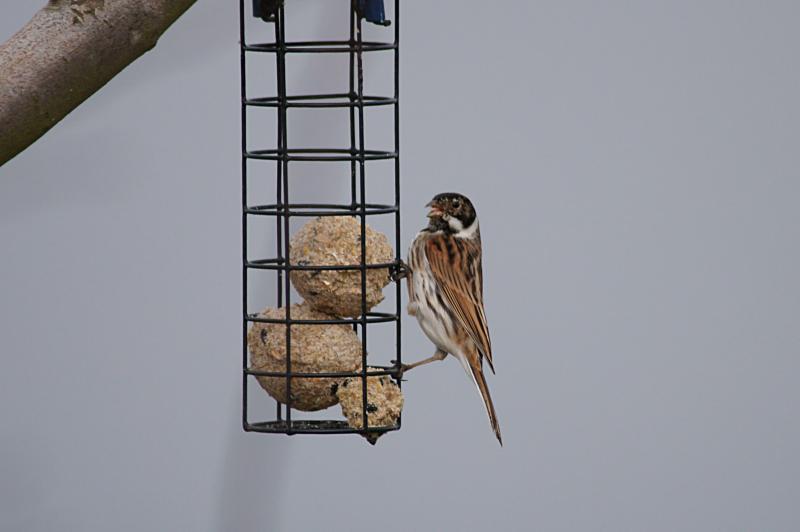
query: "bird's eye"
456, 203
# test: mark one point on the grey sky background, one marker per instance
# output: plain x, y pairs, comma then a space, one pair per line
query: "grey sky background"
635, 168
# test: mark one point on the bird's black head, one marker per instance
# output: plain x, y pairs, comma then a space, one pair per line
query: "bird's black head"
453, 213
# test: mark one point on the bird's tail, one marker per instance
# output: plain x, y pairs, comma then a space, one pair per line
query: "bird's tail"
480, 381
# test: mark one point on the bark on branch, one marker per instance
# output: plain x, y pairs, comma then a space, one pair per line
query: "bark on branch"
68, 50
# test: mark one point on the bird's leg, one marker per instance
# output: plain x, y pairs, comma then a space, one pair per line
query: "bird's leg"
399, 271
438, 355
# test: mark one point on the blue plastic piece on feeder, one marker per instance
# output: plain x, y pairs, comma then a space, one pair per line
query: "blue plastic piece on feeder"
266, 9
373, 11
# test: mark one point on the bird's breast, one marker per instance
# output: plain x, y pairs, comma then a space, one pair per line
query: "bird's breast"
425, 302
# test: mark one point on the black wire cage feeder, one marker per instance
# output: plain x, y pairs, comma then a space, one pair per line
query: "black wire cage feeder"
354, 101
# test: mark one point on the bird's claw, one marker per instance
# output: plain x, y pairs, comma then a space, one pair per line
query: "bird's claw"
401, 369
399, 270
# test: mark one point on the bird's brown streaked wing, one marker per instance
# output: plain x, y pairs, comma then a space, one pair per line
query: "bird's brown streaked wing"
455, 264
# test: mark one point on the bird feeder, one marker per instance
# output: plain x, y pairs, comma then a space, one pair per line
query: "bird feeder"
310, 355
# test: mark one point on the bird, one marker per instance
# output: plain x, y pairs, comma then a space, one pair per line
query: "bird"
445, 291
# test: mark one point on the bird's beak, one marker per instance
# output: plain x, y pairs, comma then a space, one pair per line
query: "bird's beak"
434, 209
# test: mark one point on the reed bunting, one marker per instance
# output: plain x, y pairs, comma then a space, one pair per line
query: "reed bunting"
445, 290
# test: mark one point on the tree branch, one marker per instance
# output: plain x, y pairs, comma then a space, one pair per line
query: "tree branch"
68, 50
